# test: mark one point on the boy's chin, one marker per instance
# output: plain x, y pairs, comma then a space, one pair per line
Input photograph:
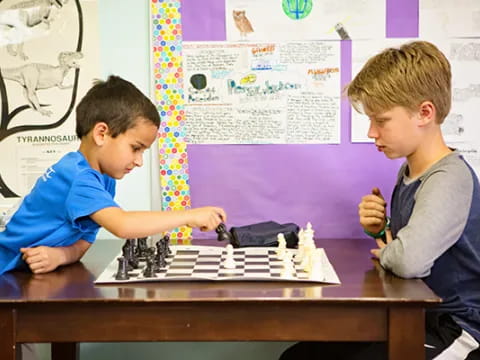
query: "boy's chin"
117, 176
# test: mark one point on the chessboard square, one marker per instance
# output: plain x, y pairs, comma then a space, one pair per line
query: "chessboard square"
134, 273
169, 274
204, 271
235, 256
231, 273
257, 266
185, 258
183, 261
209, 263
179, 271
208, 259
303, 275
250, 263
181, 266
258, 275
255, 256
206, 266
202, 256
187, 252
237, 267
258, 270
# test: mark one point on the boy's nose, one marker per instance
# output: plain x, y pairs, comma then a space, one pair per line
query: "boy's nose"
139, 160
372, 131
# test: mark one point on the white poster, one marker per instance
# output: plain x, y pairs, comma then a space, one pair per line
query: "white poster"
48, 58
439, 19
259, 93
284, 20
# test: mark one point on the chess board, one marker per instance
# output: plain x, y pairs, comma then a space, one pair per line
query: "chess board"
191, 263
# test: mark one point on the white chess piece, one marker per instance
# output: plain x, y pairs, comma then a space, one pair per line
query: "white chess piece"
316, 265
301, 248
288, 269
282, 246
229, 262
308, 248
307, 257
308, 236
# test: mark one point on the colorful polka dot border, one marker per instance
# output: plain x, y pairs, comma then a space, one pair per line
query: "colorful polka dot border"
167, 69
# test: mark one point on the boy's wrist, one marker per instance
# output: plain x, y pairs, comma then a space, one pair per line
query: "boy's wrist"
381, 233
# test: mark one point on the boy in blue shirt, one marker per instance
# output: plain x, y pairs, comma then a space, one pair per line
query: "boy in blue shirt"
58, 221
434, 232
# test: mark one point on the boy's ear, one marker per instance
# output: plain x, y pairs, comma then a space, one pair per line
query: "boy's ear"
100, 130
426, 113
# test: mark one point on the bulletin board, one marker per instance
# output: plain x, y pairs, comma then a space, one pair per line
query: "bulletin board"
300, 183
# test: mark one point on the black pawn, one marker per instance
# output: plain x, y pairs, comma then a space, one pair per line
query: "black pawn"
122, 272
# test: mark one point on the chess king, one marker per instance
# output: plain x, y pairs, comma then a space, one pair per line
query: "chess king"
58, 220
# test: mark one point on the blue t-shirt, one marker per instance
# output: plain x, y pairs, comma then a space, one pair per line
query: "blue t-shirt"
56, 212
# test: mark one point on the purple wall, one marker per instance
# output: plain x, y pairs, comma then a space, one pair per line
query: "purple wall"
322, 184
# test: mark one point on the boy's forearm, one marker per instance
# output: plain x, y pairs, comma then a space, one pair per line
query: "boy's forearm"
74, 252
133, 224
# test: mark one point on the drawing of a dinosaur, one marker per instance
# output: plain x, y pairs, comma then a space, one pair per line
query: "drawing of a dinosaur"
37, 76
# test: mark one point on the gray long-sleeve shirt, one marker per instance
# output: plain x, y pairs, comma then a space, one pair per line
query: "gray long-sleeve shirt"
435, 223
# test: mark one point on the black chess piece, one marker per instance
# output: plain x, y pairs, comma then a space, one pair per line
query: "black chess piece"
122, 272
149, 270
225, 235
142, 247
166, 241
131, 257
160, 261
126, 253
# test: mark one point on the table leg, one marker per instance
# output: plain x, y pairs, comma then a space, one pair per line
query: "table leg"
65, 351
8, 346
406, 333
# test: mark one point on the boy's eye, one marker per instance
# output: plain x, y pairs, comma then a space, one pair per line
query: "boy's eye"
136, 148
380, 121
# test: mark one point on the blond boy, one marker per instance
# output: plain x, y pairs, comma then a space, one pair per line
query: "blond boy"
434, 232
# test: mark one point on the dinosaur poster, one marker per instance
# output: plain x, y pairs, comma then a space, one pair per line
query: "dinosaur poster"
48, 59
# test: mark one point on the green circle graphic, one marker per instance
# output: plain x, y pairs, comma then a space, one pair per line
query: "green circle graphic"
297, 9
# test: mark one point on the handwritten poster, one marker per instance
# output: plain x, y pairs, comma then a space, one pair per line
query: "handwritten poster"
254, 93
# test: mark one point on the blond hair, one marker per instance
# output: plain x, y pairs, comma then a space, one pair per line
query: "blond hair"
416, 72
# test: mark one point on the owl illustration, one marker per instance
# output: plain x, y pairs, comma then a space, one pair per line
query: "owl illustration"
242, 23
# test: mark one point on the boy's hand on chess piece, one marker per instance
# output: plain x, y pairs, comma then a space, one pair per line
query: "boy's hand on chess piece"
43, 259
371, 211
206, 218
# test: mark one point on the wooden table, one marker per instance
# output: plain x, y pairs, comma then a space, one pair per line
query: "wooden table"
66, 308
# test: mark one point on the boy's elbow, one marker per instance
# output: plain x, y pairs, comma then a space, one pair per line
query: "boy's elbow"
115, 221
410, 270
121, 232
